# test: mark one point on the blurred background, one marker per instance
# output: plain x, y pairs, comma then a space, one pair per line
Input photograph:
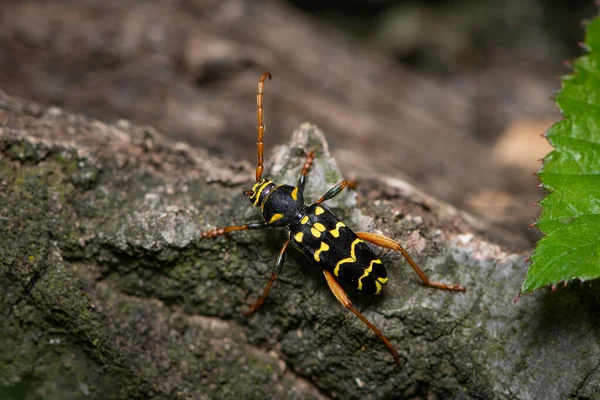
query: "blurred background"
451, 96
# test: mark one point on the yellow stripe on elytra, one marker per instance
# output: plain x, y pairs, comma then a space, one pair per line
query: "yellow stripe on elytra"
295, 194
367, 272
315, 232
275, 217
350, 259
298, 237
336, 232
319, 210
320, 227
324, 247
259, 191
304, 220
379, 287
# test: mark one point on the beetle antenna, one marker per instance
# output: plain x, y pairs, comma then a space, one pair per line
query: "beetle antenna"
261, 126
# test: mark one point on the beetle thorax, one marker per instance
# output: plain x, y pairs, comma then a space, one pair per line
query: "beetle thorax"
282, 205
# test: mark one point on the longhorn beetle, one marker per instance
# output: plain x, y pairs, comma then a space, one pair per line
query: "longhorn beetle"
319, 234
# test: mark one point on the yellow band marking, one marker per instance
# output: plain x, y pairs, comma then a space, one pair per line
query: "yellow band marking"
319, 210
275, 217
304, 220
367, 272
259, 191
379, 287
336, 232
383, 280
350, 259
295, 194
254, 190
320, 227
298, 237
315, 232
324, 247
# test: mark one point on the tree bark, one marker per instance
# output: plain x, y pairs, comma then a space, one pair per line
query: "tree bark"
109, 290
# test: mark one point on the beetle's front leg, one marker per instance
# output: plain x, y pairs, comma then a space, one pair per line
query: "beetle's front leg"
258, 224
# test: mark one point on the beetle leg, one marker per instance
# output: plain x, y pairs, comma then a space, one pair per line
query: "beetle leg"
334, 191
388, 243
343, 298
276, 270
310, 157
222, 231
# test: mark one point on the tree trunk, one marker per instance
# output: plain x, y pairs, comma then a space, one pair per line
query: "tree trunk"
110, 292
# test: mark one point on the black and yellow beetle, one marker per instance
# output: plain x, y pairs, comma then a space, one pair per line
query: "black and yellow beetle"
319, 234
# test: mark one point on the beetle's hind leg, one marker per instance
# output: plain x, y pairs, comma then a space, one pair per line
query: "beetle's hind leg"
388, 243
343, 298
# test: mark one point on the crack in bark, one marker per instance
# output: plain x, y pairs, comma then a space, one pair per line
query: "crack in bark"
585, 380
209, 322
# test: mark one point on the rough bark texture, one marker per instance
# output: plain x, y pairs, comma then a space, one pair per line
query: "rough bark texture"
108, 290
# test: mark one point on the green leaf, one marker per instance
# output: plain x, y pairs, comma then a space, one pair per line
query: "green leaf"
570, 219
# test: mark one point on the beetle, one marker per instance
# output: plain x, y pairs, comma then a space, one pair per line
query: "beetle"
317, 232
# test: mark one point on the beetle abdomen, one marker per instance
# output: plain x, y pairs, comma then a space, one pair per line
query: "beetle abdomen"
325, 239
